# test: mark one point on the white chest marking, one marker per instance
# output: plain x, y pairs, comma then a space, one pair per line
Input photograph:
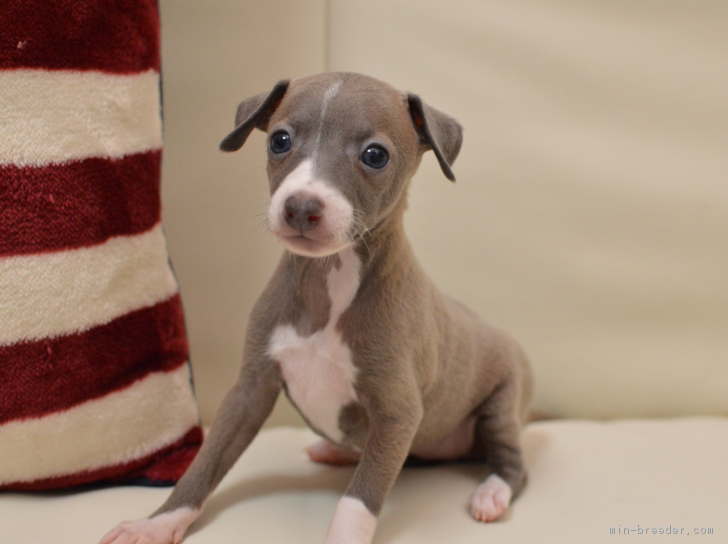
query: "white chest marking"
318, 369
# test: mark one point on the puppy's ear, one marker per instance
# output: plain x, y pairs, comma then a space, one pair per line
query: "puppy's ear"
437, 131
255, 112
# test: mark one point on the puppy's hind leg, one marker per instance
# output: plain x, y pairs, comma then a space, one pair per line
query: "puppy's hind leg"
497, 443
327, 453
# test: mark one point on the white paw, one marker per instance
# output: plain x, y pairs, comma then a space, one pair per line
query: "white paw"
168, 528
491, 499
353, 523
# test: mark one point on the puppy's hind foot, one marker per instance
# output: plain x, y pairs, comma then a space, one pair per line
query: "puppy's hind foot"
491, 499
325, 452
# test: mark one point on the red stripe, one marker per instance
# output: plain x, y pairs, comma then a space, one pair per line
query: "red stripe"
38, 378
162, 468
78, 203
120, 36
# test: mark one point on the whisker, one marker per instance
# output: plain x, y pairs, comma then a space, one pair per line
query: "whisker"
360, 229
262, 222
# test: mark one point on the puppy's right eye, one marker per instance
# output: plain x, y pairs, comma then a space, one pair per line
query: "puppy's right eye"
280, 142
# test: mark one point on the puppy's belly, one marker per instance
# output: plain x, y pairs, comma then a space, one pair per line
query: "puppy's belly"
318, 373
456, 445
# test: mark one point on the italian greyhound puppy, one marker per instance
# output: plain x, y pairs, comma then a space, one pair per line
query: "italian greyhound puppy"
377, 361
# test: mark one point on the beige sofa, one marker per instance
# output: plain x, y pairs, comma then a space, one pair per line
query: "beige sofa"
590, 218
589, 482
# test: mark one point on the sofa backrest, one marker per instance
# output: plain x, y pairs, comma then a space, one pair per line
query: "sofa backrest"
590, 215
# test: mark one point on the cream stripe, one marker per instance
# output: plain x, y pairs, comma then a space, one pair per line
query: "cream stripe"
52, 294
125, 425
56, 116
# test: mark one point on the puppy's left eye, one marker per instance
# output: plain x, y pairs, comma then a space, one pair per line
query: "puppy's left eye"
375, 156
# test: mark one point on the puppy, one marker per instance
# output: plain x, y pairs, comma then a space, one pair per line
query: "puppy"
378, 362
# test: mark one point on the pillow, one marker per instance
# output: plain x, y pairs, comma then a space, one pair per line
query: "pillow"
95, 383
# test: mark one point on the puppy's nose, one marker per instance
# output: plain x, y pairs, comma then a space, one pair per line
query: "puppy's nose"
303, 211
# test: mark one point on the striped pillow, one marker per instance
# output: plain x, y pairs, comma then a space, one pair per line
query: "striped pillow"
95, 382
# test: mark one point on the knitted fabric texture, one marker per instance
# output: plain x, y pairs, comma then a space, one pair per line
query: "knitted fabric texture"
95, 383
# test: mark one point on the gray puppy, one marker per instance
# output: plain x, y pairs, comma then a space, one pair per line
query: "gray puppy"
378, 361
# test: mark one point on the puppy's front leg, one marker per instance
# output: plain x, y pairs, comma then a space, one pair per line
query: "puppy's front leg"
392, 427
236, 423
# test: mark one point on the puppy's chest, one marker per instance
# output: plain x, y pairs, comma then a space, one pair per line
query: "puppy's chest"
318, 369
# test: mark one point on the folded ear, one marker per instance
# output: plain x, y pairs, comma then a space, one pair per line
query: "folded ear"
437, 131
255, 112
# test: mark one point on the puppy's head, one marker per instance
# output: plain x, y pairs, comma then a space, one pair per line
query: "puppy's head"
341, 150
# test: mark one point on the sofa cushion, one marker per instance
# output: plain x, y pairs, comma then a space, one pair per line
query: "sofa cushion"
585, 478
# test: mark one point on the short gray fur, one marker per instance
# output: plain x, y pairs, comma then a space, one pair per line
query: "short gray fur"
425, 362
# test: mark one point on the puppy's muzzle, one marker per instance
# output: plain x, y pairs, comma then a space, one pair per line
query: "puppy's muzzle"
303, 211
308, 215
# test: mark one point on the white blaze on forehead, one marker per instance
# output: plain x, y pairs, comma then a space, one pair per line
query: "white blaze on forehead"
352, 523
330, 93
318, 369
337, 215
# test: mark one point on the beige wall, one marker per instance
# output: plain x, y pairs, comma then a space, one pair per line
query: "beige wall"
591, 211
590, 216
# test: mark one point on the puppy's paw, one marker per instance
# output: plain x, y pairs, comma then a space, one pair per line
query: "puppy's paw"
142, 531
325, 452
491, 499
167, 528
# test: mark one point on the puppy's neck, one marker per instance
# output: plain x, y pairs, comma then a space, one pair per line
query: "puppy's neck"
380, 249
384, 249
